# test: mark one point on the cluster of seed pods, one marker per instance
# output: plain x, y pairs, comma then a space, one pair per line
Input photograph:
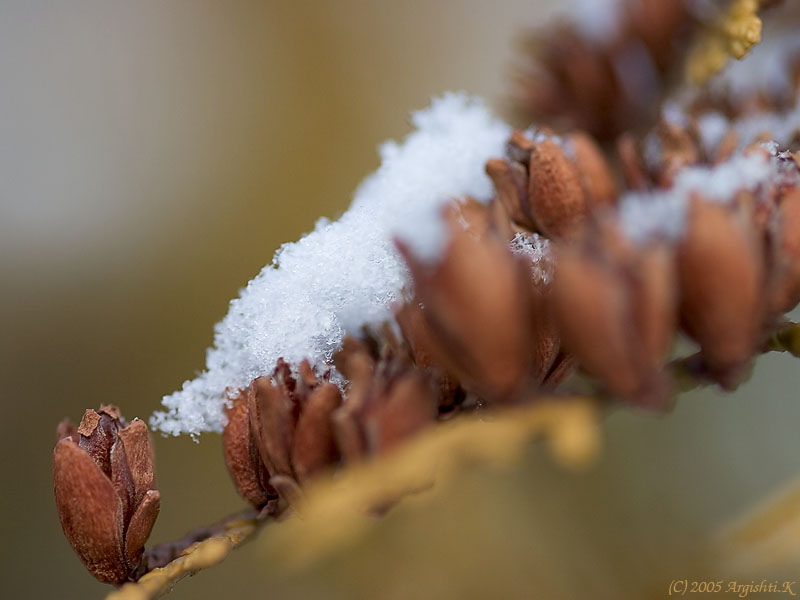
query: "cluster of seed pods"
544, 280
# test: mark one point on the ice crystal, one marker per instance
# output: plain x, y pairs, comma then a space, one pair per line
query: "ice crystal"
536, 249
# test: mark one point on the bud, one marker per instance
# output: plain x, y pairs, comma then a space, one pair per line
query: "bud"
105, 492
388, 400
615, 309
558, 203
426, 350
279, 434
721, 281
242, 458
476, 302
549, 184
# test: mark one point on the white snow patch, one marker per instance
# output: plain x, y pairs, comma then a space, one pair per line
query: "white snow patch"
346, 273
663, 213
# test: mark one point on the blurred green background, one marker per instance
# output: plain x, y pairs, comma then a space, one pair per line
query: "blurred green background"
153, 155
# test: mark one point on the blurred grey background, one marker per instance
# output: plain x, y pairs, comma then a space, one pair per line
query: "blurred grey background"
153, 155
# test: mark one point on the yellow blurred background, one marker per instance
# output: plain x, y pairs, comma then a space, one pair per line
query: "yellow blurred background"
153, 155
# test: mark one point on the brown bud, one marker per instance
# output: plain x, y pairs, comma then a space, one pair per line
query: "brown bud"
388, 400
357, 365
242, 458
534, 251
511, 183
427, 349
105, 492
273, 416
476, 301
280, 433
399, 409
721, 276
615, 310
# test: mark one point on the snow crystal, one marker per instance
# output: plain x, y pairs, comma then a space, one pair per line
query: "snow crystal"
346, 273
537, 250
644, 215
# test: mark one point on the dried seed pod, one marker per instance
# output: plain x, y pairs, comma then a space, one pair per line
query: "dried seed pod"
314, 447
549, 185
721, 278
105, 492
511, 186
615, 310
273, 417
535, 251
557, 202
609, 84
394, 400
476, 301
280, 432
427, 350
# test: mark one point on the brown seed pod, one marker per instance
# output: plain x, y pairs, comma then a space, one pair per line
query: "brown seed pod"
615, 308
476, 301
105, 492
242, 458
556, 198
721, 278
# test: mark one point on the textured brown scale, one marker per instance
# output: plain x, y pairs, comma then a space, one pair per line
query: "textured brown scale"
242, 458
557, 201
314, 441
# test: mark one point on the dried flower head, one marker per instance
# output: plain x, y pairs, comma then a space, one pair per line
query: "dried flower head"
549, 184
615, 307
105, 492
279, 434
603, 75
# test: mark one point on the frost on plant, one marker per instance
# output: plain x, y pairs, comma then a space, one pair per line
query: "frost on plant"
663, 213
346, 273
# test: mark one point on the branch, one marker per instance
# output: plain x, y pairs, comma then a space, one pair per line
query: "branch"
203, 548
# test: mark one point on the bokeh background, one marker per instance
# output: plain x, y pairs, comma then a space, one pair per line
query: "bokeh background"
153, 155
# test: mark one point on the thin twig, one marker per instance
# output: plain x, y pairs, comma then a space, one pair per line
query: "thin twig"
203, 548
